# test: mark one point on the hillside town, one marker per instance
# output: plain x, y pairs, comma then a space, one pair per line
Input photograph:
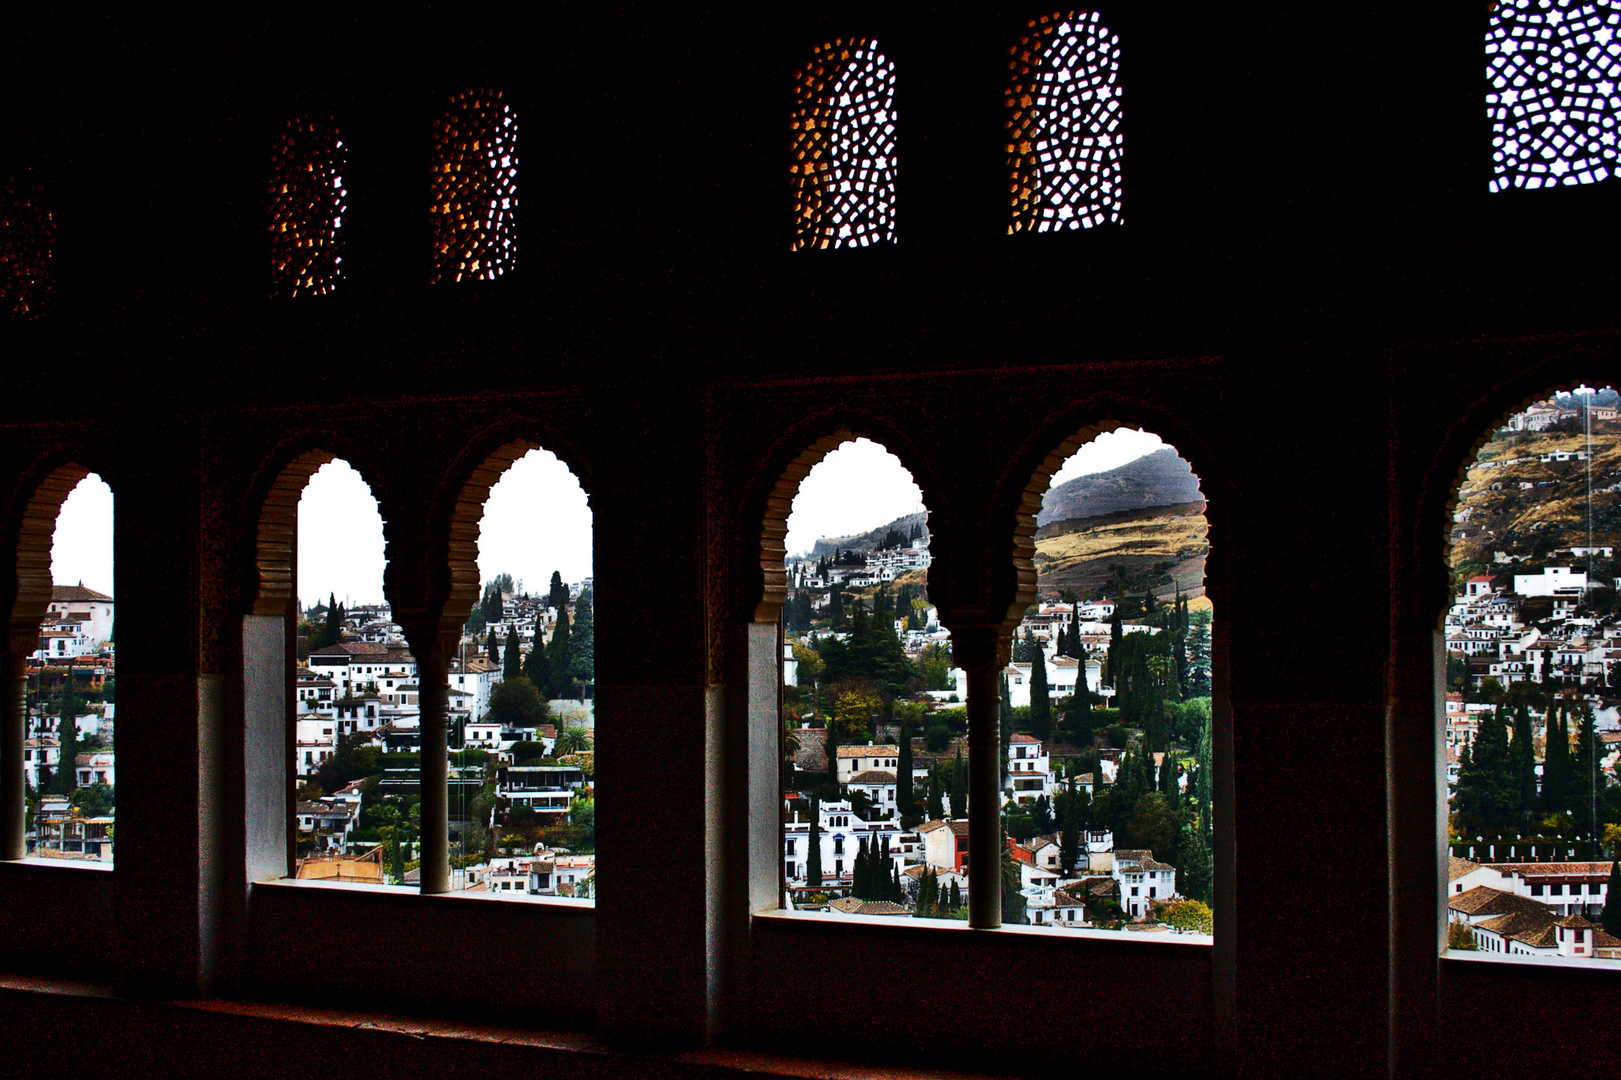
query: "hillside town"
1105, 794
1532, 728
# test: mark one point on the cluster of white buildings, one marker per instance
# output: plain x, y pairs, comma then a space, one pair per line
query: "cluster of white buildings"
1533, 909
1484, 626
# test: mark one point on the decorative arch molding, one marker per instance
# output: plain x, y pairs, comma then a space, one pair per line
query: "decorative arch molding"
1045, 452
772, 491
276, 529
35, 531
463, 499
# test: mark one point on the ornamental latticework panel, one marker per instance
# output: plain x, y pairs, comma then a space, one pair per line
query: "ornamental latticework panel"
1553, 67
27, 245
475, 188
1064, 125
307, 206
844, 147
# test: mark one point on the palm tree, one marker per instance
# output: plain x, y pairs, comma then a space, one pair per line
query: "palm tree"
572, 741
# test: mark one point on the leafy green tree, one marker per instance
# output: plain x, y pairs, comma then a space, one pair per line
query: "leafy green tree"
512, 665
398, 869
515, 703
537, 666
572, 740
928, 895
1154, 825
582, 668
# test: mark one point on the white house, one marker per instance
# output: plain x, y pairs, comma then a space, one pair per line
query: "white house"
860, 759
92, 611
1142, 879
1553, 581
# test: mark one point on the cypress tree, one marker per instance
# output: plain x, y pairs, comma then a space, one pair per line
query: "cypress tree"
896, 894
399, 861
956, 896
1556, 763
582, 643
1069, 847
557, 594
67, 734
1194, 875
1585, 777
903, 773
492, 649
1486, 798
813, 859
1524, 762
557, 657
959, 787
1612, 902
512, 666
1006, 723
1041, 714
1116, 635
936, 805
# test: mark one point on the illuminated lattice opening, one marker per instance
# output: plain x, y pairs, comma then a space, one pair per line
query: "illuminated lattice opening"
1064, 125
27, 245
307, 204
844, 147
475, 188
1553, 66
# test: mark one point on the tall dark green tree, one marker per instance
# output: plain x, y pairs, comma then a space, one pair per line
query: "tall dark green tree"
1041, 709
813, 858
557, 658
904, 801
557, 594
1612, 901
1194, 873
1524, 762
512, 666
1116, 636
1487, 799
1069, 845
959, 787
936, 799
582, 669
67, 767
492, 649
1586, 777
1006, 726
1556, 763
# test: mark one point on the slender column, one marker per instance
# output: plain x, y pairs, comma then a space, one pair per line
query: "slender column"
433, 696
976, 654
13, 724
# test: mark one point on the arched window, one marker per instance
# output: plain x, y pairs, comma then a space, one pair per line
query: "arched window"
523, 686
307, 205
27, 244
1532, 548
1111, 676
1064, 138
844, 147
866, 664
1552, 71
474, 189
66, 726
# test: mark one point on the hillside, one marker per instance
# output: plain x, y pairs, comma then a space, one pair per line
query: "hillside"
1124, 552
1546, 514
1158, 479
869, 541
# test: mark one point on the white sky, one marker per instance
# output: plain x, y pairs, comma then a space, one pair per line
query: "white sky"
860, 485
1109, 450
537, 520
857, 487
82, 546
340, 539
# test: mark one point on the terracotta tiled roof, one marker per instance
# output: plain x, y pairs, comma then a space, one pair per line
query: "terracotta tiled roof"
75, 594
1530, 928
1485, 900
1457, 868
869, 751
849, 905
873, 776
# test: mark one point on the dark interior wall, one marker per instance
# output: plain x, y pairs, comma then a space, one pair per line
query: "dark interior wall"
1313, 295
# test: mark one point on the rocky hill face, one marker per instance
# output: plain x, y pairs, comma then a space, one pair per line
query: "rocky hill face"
1158, 479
